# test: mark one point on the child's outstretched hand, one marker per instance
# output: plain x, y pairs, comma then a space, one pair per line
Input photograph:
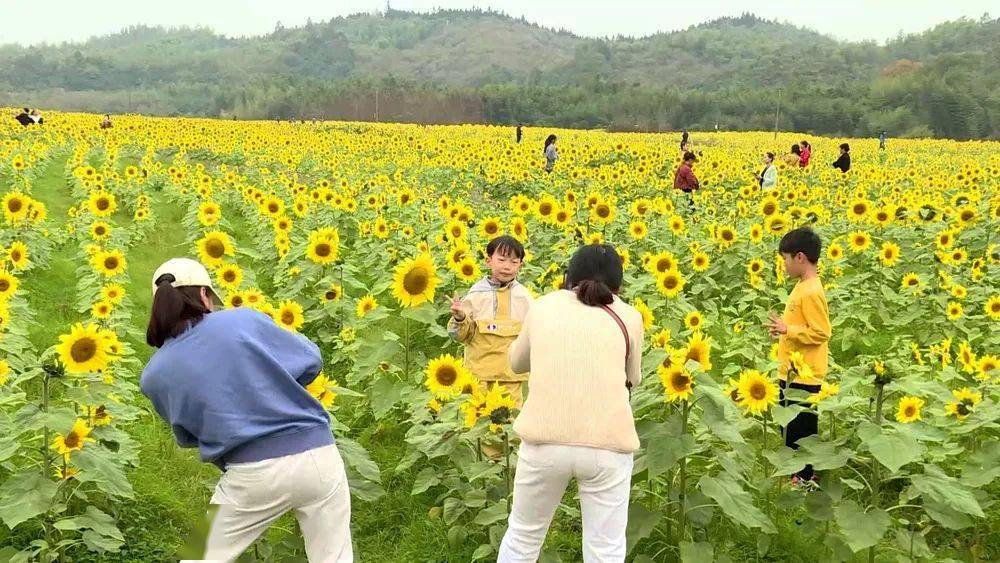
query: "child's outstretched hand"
457, 312
776, 326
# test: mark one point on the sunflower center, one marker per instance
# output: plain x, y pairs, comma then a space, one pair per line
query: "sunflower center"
14, 205
330, 295
446, 375
103, 204
229, 276
83, 350
680, 381
236, 301
215, 248
72, 440
323, 250
287, 318
4, 285
758, 391
415, 281
110, 263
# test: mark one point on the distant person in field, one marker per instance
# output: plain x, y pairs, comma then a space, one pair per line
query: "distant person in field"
233, 384
768, 178
550, 153
881, 140
24, 118
106, 122
793, 158
806, 154
684, 178
844, 162
684, 140
518, 133
36, 116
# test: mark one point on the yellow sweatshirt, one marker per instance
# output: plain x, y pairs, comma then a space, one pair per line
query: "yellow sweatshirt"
493, 318
807, 315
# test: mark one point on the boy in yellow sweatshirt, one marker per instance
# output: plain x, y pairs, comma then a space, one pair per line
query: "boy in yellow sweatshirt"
488, 319
803, 333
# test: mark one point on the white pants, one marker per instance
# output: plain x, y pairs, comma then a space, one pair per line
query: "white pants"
251, 496
543, 471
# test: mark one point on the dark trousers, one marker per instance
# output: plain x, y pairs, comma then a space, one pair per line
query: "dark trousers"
689, 196
804, 424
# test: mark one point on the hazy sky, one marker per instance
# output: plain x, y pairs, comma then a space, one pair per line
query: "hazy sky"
74, 20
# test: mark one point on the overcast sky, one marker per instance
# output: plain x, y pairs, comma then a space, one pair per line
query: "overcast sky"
38, 21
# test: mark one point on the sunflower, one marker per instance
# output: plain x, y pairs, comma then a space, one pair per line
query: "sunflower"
324, 248
964, 404
289, 316
835, 252
694, 320
755, 267
992, 307
414, 281
678, 385
756, 392
677, 225
519, 229
214, 247
909, 409
671, 283
446, 376
109, 263
74, 441
911, 281
498, 406
456, 230
858, 209
8, 285
102, 203
491, 227
954, 310
4, 372
889, 254
661, 263
84, 349
700, 261
859, 241
98, 416
725, 236
987, 367
333, 293
660, 339
826, 390
229, 276
323, 389
603, 212
15, 206
17, 253
100, 230
366, 305
647, 314
467, 270
236, 299
699, 349
638, 230
102, 309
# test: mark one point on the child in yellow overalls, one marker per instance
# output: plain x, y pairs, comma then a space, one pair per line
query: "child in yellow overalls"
488, 319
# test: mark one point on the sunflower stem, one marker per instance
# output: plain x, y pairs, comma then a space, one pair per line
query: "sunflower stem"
681, 494
506, 454
406, 348
877, 419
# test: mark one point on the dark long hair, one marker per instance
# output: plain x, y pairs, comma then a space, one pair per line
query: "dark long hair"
548, 141
796, 150
595, 274
174, 309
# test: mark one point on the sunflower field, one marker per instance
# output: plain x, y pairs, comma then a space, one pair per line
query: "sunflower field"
357, 234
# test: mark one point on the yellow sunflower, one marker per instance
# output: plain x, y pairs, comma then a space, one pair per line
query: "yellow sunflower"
15, 206
84, 349
756, 393
323, 389
102, 203
859, 241
288, 315
74, 440
17, 253
366, 305
113, 293
699, 349
109, 263
100, 230
414, 281
889, 254
467, 270
909, 409
101, 310
694, 320
214, 247
678, 385
647, 314
8, 285
671, 283
992, 307
333, 293
446, 376
229, 276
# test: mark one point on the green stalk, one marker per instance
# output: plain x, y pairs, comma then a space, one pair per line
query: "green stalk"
507, 474
682, 494
879, 398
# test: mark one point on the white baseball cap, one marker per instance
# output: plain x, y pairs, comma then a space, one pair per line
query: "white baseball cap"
186, 273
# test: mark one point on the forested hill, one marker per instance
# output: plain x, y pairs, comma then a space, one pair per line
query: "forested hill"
461, 66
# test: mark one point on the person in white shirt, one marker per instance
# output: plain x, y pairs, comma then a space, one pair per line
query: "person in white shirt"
768, 178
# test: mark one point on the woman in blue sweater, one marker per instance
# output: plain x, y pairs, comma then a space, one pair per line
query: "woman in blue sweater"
232, 383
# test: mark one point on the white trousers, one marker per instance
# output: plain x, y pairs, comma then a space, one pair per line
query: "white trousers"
543, 470
251, 496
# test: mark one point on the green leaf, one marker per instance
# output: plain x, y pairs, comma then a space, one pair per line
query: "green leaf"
937, 485
895, 450
946, 515
819, 506
427, 478
641, 522
363, 489
482, 552
823, 455
24, 496
735, 501
97, 542
384, 395
861, 529
783, 415
666, 445
493, 513
453, 508
97, 465
981, 467
92, 519
701, 552
356, 456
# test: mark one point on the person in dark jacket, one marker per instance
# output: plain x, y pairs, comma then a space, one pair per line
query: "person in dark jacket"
518, 133
844, 162
881, 140
684, 140
24, 118
684, 178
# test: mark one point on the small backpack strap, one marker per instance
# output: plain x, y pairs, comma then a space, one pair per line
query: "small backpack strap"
621, 325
